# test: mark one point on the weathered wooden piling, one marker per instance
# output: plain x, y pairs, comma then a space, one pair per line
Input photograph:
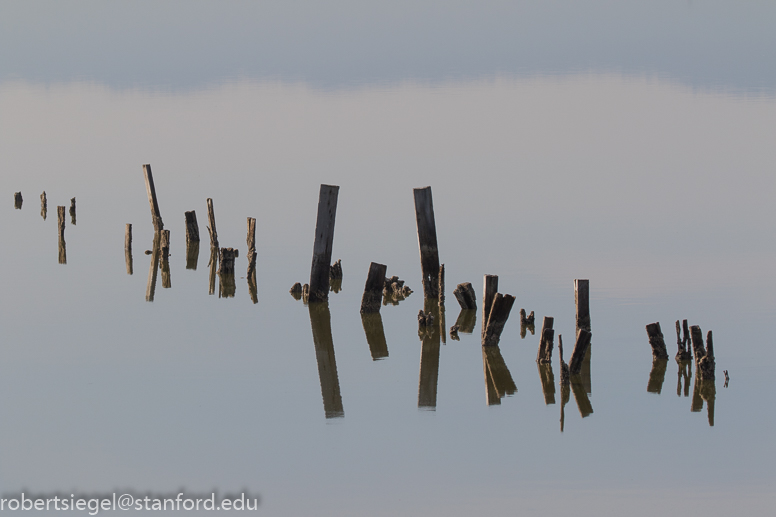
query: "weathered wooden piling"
251, 241
335, 271
128, 248
153, 268
565, 374
698, 350
499, 313
43, 205
17, 200
164, 249
582, 298
427, 241
464, 293
192, 227
211, 228
684, 353
707, 365
156, 216
441, 287
72, 210
371, 301
61, 222
656, 341
192, 255
324, 241
213, 265
489, 289
226, 261
580, 349
547, 338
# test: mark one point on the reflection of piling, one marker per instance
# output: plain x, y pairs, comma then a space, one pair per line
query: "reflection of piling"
429, 360
498, 380
43, 205
226, 284
373, 289
464, 293
164, 251
156, 217
192, 227
61, 229
320, 321
582, 297
704, 357
192, 254
580, 395
548, 382
253, 289
580, 349
324, 241
17, 200
72, 211
213, 265
684, 372
251, 240
427, 241
441, 288
466, 321
704, 390
656, 341
489, 289
211, 228
128, 247
684, 352
375, 335
153, 268
544, 355
497, 318
657, 375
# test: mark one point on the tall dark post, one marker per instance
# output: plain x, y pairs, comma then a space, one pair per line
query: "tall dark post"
489, 290
156, 217
427, 241
153, 269
580, 349
72, 211
582, 297
17, 200
128, 247
544, 355
324, 241
251, 241
192, 227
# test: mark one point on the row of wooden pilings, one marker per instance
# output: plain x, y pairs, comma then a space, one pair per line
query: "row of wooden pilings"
18, 200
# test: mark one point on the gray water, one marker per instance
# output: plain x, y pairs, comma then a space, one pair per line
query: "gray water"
655, 187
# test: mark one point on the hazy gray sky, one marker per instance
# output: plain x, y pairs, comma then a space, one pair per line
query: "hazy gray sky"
191, 44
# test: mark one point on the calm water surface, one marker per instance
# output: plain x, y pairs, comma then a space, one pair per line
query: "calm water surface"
651, 178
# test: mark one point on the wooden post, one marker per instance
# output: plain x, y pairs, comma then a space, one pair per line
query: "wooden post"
128, 247
683, 344
43, 205
192, 227
427, 241
61, 228
17, 200
697, 343
547, 338
192, 254
656, 341
324, 240
489, 289
499, 312
213, 264
72, 210
153, 268
251, 240
580, 349
706, 365
156, 217
371, 301
164, 248
582, 297
211, 229
464, 293
226, 261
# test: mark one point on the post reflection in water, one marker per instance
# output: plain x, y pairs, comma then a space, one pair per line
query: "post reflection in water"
213, 264
128, 260
657, 375
565, 396
192, 254
547, 377
429, 359
252, 287
498, 380
375, 335
704, 390
62, 251
684, 372
467, 319
227, 285
153, 268
580, 395
320, 321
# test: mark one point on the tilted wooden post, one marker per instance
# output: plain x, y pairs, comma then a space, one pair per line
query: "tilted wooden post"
251, 240
72, 211
499, 313
464, 293
580, 349
544, 355
192, 227
372, 299
489, 289
582, 297
427, 241
324, 241
156, 217
211, 229
656, 341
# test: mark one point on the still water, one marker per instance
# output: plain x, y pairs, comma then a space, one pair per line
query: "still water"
657, 187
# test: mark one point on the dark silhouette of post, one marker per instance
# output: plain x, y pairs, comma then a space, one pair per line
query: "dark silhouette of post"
72, 211
489, 290
213, 265
324, 241
371, 300
656, 341
251, 241
464, 293
43, 205
192, 227
192, 255
156, 216
582, 297
320, 321
211, 228
17, 200
580, 349
546, 343
164, 252
61, 229
499, 313
427, 241
154, 267
128, 248
375, 335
